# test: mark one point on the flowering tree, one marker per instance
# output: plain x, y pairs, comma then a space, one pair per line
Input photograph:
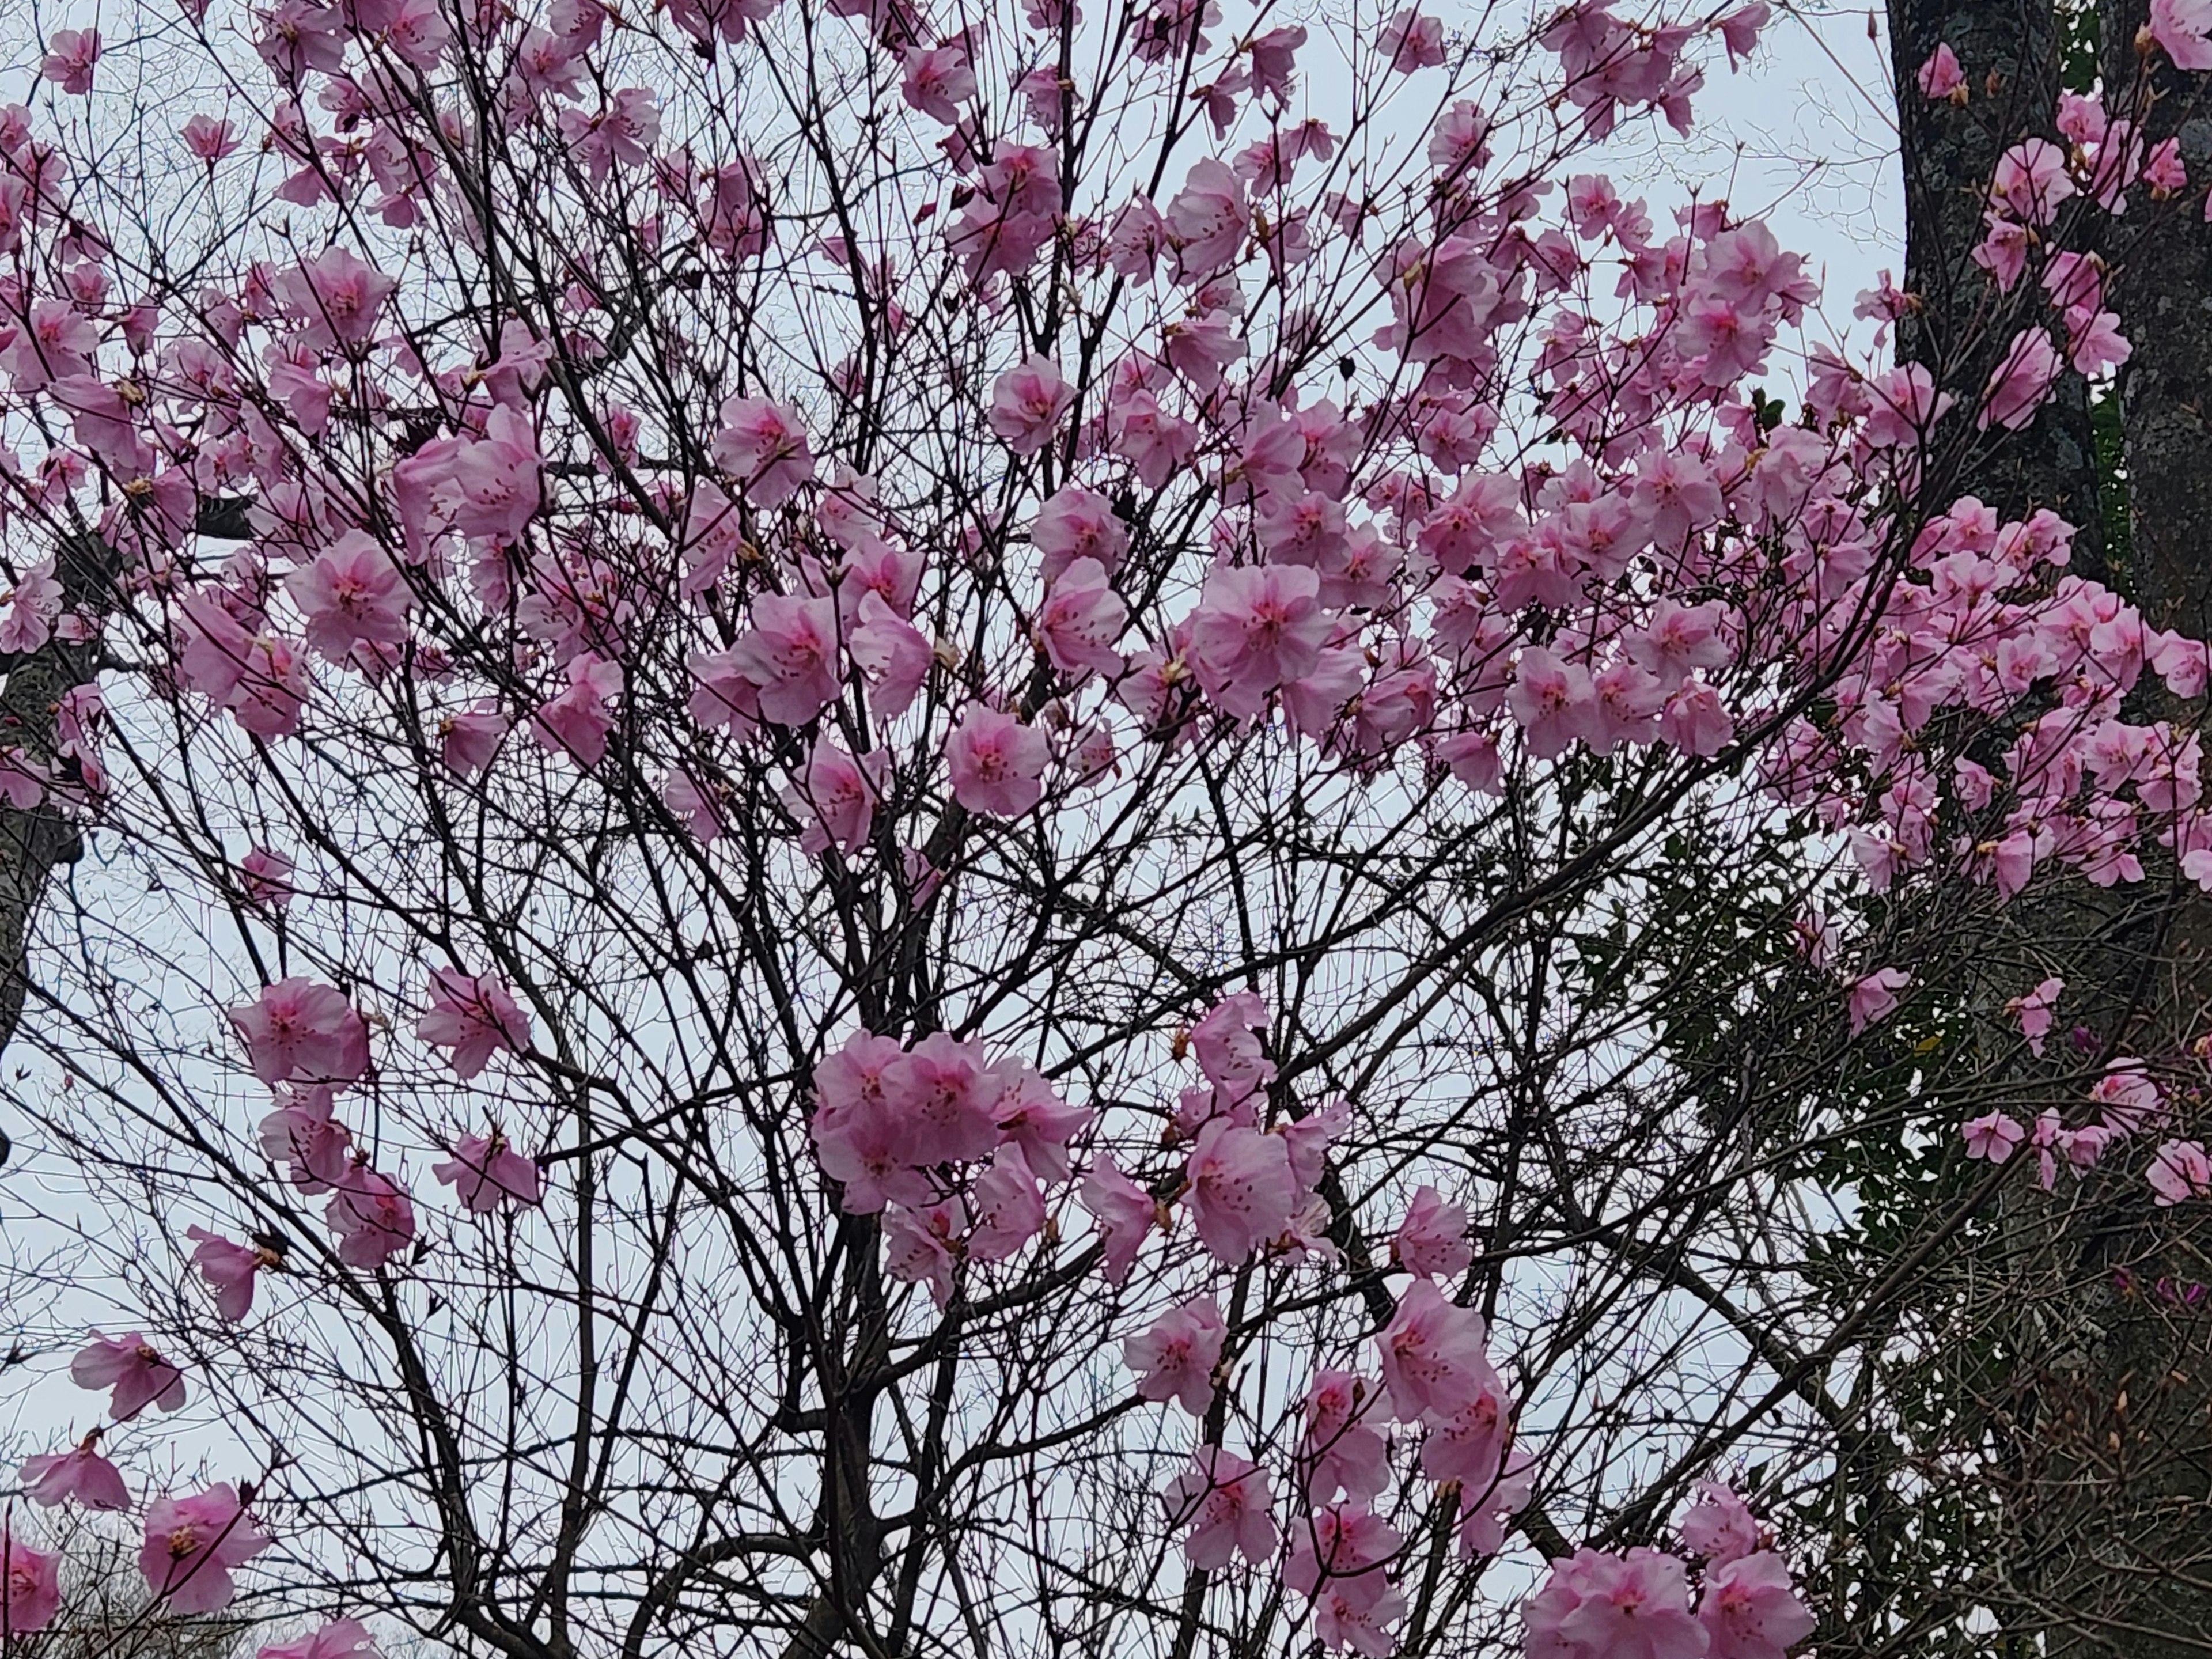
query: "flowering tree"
1011, 827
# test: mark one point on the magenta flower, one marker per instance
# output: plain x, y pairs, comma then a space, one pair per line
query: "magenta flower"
30, 1586
302, 1032
1224, 1500
2019, 384
1175, 1356
997, 763
53, 1478
834, 798
302, 1135
228, 1269
1941, 75
2180, 27
475, 1016
192, 1545
372, 1217
134, 1369
485, 1173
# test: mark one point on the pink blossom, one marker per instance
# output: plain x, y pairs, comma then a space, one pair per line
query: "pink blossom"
834, 798
918, 1246
1412, 40
938, 80
2180, 27
578, 719
134, 1369
1227, 1041
1554, 701
2033, 1011
941, 1095
1739, 30
2130, 1096
1175, 1358
893, 655
1993, 1136
486, 1173
1224, 1499
1124, 1214
1432, 1353
1207, 220
2031, 182
790, 653
335, 298
764, 447
193, 1544
476, 1017
1075, 523
32, 609
302, 1134
1941, 75
1150, 440
372, 1217
1874, 997
997, 763
1749, 1610
30, 1586
468, 740
1719, 1525
53, 1478
2019, 384
352, 593
622, 133
229, 1269
1027, 405
1242, 1194
1607, 1606
1031, 1116
70, 57
1431, 1241
2179, 1171
302, 1032
342, 1638
1483, 1515
266, 879
1081, 618
1338, 1558
1343, 1449
494, 483
1009, 1209
859, 1134
1256, 628
2094, 343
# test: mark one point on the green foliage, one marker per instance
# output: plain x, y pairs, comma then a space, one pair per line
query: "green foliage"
2079, 39
2113, 489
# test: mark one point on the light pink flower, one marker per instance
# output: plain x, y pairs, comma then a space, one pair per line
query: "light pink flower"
52, 1478
1027, 405
578, 719
918, 1246
229, 1269
32, 609
1175, 1358
941, 1097
302, 1135
372, 1217
1484, 1514
1874, 996
30, 1586
1719, 1525
1993, 1136
1124, 1214
1256, 628
1343, 1548
1207, 222
486, 1173
834, 798
2179, 1171
764, 447
335, 298
1433, 1239
265, 878
1008, 1207
857, 1131
476, 1017
938, 80
342, 1638
1075, 523
1607, 1607
1433, 1354
1941, 75
1224, 1499
1080, 620
353, 593
2019, 384
2180, 27
790, 654
192, 1546
1343, 1449
1031, 1116
997, 763
1241, 1192
469, 739
1749, 1610
302, 1032
70, 56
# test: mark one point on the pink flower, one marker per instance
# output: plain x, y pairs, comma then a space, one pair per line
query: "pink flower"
2180, 27
1343, 1451
1749, 1610
134, 1369
30, 1586
1027, 405
1009, 1209
342, 1638
32, 609
2019, 384
302, 1134
2178, 1170
858, 1133
1081, 618
997, 763
229, 1270
495, 481
893, 655
938, 80
335, 298
942, 1100
1719, 1526
192, 1545
1075, 523
475, 1016
1993, 1136
621, 134
1241, 1192
52, 1478
352, 593
1175, 1360
469, 739
210, 138
266, 879
1124, 1214
1207, 222
1256, 628
790, 652
918, 1246
303, 1032
2031, 182
578, 720
70, 57
764, 447
372, 1218
1031, 1116
1874, 997
1607, 1606
486, 1172
1941, 75
1344, 1547
1554, 701
1412, 41
1224, 1499
1433, 1354
834, 800
1433, 1239
2033, 1011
